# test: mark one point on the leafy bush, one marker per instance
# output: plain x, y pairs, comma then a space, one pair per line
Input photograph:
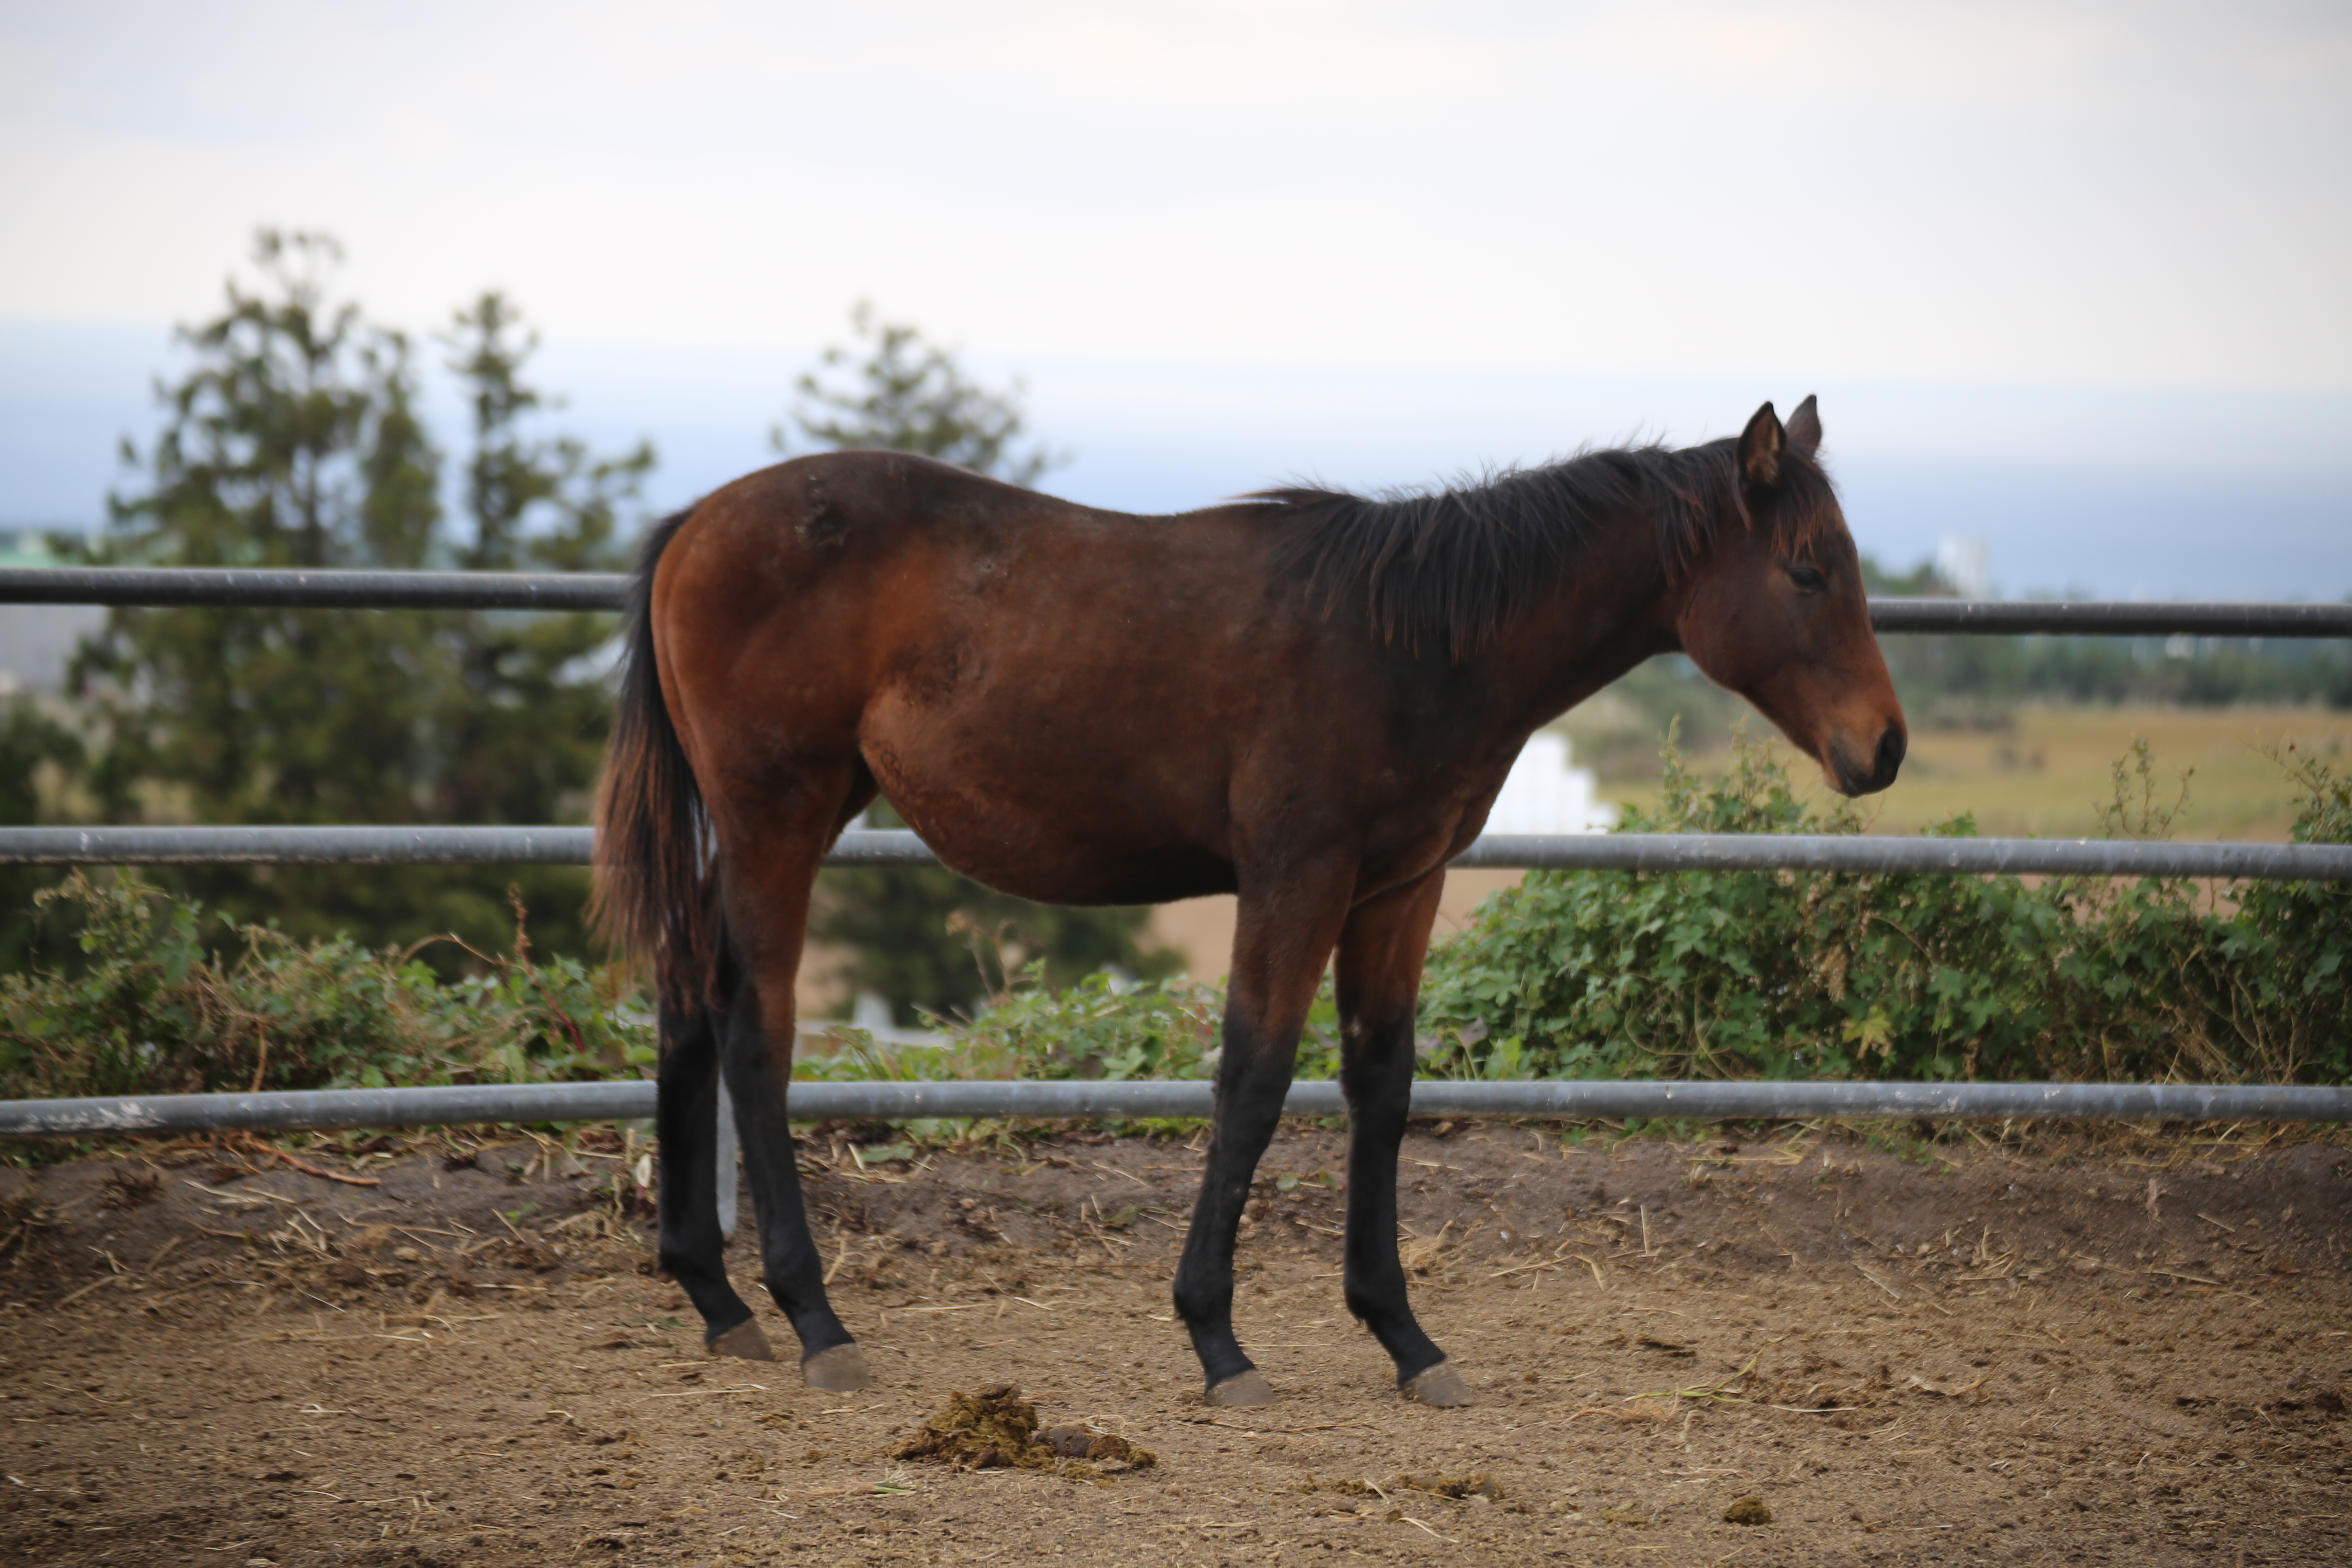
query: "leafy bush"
154, 1012
2278, 979
1098, 1028
1102, 1027
1790, 974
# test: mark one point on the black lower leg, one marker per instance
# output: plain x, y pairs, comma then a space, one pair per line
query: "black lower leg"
788, 1253
1252, 1080
685, 1119
1377, 1078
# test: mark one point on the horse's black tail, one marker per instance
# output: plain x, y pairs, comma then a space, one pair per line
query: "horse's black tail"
656, 895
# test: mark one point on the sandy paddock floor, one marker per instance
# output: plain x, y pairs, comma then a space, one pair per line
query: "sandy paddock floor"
2133, 1351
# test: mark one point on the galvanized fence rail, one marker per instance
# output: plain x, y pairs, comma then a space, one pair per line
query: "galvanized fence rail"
230, 587
902, 1100
223, 587
1851, 854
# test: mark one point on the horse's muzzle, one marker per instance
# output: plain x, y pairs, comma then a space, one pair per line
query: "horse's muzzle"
1886, 762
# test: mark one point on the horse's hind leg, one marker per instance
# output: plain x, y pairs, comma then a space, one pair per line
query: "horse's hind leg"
691, 1246
1380, 954
770, 874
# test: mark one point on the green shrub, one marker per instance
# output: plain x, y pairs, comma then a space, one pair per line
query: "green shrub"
1802, 974
154, 1012
1102, 1027
1098, 1028
2278, 979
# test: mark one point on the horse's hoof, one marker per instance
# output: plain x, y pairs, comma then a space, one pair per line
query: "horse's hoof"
1242, 1389
745, 1341
841, 1370
1442, 1386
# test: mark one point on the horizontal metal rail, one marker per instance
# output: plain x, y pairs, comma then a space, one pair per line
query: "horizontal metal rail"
1580, 852
333, 1110
296, 846
158, 586
177, 587
2107, 618
1861, 855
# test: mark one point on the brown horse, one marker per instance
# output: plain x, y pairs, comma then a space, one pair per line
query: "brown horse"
1305, 698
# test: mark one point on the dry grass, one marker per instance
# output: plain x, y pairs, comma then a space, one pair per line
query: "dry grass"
2048, 773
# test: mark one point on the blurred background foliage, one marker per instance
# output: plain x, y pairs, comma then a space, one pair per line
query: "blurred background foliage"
293, 438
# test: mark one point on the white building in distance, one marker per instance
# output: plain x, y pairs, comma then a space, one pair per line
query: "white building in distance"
1546, 794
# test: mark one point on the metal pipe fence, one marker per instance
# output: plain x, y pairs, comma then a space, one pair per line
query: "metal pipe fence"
902, 1100
231, 587
1853, 855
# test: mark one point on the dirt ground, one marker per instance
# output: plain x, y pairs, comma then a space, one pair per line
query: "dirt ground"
2132, 1351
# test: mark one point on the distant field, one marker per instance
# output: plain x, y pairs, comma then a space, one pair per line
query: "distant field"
2048, 773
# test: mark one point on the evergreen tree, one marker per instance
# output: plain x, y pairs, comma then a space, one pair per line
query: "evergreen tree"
900, 393
929, 940
38, 756
294, 440
523, 724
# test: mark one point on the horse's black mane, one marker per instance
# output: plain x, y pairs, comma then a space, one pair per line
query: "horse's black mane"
1445, 568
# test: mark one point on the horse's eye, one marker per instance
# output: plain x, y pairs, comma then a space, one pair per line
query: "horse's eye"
1808, 579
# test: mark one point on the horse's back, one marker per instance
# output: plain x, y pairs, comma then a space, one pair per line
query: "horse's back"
1054, 695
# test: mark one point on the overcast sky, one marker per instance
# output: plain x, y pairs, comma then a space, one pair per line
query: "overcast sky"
2109, 236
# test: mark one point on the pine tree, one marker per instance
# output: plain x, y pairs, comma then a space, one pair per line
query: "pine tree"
294, 440
39, 755
523, 723
904, 394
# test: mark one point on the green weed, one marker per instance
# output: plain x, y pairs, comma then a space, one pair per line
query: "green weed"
1795, 974
154, 1010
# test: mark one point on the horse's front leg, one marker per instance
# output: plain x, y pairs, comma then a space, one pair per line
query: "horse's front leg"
1282, 943
1380, 954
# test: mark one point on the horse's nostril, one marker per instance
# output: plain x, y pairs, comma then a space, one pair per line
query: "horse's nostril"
1891, 747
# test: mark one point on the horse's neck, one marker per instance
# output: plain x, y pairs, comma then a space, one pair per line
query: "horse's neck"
1607, 613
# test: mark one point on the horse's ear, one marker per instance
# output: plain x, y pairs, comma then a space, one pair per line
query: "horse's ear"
1805, 428
1759, 449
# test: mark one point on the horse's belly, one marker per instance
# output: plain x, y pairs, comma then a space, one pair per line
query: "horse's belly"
1058, 864
1124, 880
1040, 823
